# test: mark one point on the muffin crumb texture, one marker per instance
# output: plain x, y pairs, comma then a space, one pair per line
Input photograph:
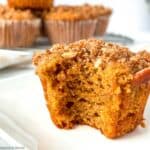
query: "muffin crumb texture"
91, 82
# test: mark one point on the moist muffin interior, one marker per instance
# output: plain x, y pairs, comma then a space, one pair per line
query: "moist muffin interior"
90, 82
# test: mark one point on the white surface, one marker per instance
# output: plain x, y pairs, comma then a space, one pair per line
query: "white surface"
15, 136
7, 142
22, 101
10, 58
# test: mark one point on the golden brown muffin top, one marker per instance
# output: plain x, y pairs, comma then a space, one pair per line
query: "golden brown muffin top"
98, 52
82, 12
15, 14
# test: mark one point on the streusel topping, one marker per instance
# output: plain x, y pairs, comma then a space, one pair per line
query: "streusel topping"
72, 13
15, 14
97, 52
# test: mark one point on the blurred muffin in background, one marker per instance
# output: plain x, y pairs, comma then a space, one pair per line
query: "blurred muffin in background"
103, 15
18, 28
65, 24
39, 14
31, 4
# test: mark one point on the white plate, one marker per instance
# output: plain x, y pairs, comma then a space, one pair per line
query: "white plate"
12, 58
21, 99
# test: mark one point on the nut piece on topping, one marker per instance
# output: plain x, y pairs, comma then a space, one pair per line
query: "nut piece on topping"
69, 54
98, 62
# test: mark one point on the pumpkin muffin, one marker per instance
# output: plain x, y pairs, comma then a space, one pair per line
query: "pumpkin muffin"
103, 14
18, 28
31, 4
65, 24
99, 84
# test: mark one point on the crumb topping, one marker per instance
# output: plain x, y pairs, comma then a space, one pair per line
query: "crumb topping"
97, 52
83, 12
97, 10
15, 14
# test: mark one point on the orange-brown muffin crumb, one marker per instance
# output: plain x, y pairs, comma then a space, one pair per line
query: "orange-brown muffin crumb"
31, 4
92, 82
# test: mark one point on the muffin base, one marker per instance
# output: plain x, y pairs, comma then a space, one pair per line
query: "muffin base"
102, 25
18, 33
69, 31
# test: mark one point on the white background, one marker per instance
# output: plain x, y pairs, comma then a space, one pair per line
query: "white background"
129, 16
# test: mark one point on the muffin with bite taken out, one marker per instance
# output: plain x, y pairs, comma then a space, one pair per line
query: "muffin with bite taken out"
95, 83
